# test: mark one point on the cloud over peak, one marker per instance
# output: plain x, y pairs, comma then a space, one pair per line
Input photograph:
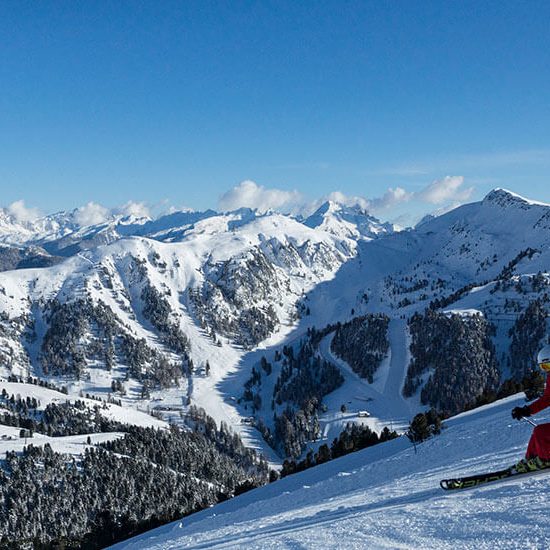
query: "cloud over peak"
445, 190
21, 213
249, 194
94, 213
390, 198
135, 209
445, 193
91, 214
346, 200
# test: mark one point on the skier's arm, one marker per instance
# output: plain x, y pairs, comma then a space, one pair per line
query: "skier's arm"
542, 402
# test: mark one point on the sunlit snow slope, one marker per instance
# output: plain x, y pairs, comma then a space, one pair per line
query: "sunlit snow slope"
387, 497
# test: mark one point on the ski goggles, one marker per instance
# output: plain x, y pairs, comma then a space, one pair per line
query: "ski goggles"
545, 367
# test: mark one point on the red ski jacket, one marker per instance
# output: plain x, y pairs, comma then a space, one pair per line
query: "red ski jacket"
542, 402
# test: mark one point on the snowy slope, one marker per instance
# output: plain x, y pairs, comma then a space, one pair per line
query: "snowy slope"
241, 285
54, 226
10, 439
386, 497
402, 273
67, 232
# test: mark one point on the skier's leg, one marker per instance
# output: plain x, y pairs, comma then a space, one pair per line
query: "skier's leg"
539, 444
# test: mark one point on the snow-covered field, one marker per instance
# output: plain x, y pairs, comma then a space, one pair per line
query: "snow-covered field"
75, 445
10, 439
110, 411
387, 496
382, 400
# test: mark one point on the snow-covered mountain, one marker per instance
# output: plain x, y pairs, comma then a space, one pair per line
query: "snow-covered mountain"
65, 233
223, 290
205, 287
14, 230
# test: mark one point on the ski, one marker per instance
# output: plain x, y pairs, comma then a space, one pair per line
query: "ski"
488, 477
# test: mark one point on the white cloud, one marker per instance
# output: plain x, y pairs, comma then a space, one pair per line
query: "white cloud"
174, 209
249, 194
390, 198
346, 200
446, 193
445, 190
22, 213
92, 214
137, 209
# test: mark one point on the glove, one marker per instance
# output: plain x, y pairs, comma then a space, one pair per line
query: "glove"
519, 412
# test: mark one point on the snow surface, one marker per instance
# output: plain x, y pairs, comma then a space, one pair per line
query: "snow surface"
382, 399
10, 439
207, 241
386, 496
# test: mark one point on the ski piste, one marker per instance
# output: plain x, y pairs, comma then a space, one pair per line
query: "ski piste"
470, 482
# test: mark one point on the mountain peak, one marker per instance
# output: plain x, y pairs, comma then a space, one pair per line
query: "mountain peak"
504, 197
347, 221
425, 219
328, 207
334, 207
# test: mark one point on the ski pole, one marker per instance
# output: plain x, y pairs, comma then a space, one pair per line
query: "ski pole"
532, 422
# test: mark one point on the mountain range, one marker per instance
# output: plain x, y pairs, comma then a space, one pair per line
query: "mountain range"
282, 329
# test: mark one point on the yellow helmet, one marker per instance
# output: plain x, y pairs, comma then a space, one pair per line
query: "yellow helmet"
543, 358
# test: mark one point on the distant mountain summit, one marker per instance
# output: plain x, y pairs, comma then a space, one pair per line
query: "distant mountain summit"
503, 197
169, 226
347, 221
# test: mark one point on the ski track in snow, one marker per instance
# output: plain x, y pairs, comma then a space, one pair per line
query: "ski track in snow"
386, 406
386, 497
399, 345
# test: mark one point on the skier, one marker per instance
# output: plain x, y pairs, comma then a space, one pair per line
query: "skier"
537, 456
538, 450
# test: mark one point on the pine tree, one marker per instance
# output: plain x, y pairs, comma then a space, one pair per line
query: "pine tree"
419, 429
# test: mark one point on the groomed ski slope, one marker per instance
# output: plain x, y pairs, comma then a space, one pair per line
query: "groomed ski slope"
387, 497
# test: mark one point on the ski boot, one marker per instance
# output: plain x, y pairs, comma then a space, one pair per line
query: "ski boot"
526, 465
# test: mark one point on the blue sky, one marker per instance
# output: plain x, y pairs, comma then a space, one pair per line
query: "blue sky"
176, 103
